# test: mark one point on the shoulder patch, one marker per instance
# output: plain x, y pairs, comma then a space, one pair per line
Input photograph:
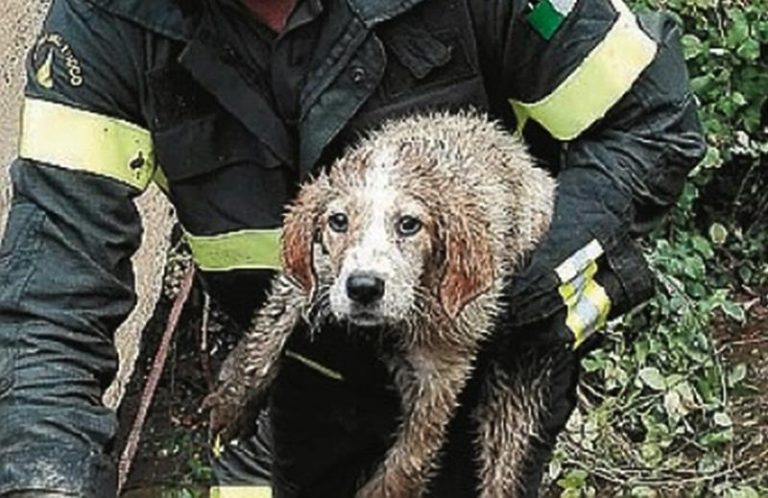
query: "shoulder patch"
546, 16
52, 52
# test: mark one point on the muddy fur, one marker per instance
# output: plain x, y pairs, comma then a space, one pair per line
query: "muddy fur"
482, 205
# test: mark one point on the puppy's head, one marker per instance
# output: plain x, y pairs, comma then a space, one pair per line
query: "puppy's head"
384, 238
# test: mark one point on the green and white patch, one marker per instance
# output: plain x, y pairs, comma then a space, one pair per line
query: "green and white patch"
546, 16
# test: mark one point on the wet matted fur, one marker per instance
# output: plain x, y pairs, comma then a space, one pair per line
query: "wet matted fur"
431, 213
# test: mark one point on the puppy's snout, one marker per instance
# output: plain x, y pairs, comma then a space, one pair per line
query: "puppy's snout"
365, 288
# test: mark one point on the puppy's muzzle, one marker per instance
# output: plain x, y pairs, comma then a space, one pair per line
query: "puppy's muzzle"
365, 288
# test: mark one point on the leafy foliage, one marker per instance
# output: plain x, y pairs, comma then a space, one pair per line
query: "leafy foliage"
656, 415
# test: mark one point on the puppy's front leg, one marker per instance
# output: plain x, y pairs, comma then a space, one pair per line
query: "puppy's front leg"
253, 364
509, 418
430, 380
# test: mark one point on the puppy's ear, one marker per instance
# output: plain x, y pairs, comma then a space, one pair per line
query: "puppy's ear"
468, 260
299, 228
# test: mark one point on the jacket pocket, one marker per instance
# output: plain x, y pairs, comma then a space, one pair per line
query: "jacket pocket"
208, 143
220, 177
420, 61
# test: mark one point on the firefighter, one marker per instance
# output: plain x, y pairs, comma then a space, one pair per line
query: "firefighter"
229, 105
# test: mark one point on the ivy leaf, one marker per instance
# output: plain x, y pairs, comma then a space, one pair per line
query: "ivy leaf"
652, 378
692, 46
643, 492
717, 439
734, 311
718, 233
575, 479
739, 30
700, 84
722, 419
749, 50
737, 374
742, 492
702, 246
673, 405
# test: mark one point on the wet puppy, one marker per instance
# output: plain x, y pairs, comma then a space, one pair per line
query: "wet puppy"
413, 231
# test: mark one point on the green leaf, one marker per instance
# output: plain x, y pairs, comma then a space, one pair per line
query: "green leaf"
739, 30
712, 159
749, 50
643, 492
717, 439
651, 453
700, 84
673, 405
692, 46
710, 463
722, 419
737, 374
718, 233
652, 378
574, 479
745, 274
702, 246
734, 311
742, 492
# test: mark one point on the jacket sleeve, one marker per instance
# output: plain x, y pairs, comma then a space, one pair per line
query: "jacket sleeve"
607, 93
66, 280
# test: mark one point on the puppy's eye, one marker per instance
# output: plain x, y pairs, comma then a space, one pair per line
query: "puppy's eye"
408, 225
338, 222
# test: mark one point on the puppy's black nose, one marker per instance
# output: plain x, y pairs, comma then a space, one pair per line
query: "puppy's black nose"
365, 288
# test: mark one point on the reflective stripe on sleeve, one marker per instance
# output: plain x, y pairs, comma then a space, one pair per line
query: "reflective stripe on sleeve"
597, 84
67, 137
240, 250
241, 492
586, 301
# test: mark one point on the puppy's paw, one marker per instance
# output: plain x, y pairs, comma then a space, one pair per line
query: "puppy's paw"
225, 410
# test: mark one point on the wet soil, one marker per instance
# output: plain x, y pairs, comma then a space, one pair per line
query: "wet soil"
171, 458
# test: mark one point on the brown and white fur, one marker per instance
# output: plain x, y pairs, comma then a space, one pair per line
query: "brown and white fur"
436, 210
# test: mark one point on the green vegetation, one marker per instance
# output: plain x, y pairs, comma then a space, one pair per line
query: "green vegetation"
671, 404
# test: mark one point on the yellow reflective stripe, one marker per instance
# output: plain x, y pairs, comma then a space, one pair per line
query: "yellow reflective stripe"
79, 140
575, 264
603, 77
239, 250
333, 374
241, 492
595, 294
586, 301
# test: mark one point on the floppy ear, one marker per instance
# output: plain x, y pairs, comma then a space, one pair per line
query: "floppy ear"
299, 228
468, 260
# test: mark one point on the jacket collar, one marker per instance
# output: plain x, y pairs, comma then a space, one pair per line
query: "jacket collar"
165, 16
373, 12
162, 16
